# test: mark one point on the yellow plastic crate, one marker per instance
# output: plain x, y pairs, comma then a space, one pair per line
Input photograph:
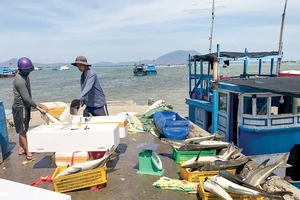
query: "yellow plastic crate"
195, 175
78, 180
210, 196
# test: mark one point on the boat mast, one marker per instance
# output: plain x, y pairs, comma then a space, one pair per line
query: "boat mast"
212, 25
280, 39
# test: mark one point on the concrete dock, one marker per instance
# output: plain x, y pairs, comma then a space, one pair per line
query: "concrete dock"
123, 182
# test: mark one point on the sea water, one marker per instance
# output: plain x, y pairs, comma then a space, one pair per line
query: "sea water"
118, 83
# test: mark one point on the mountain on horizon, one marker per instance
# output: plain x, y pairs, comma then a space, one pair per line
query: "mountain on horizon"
175, 57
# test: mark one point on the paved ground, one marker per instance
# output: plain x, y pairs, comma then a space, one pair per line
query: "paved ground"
122, 180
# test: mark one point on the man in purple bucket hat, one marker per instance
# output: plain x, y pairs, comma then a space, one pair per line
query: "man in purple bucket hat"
92, 94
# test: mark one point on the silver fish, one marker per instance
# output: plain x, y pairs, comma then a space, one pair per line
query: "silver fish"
204, 145
260, 174
198, 161
195, 140
238, 189
175, 143
236, 179
87, 165
224, 164
215, 188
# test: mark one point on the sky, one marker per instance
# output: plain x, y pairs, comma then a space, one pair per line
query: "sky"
49, 31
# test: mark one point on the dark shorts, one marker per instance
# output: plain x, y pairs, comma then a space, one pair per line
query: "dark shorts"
21, 117
102, 111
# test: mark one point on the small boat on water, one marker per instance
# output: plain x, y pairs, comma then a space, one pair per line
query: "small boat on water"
64, 67
38, 68
54, 68
142, 70
151, 70
138, 70
7, 72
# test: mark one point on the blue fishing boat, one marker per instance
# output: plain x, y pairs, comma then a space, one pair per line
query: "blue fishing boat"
171, 125
259, 112
7, 72
142, 70
151, 70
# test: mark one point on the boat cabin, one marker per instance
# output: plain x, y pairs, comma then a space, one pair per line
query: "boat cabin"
260, 112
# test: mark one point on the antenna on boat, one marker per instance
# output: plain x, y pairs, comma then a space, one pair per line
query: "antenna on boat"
212, 25
280, 39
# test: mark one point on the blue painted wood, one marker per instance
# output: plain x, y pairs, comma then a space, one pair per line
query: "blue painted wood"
190, 83
257, 140
272, 66
245, 63
205, 105
215, 111
259, 67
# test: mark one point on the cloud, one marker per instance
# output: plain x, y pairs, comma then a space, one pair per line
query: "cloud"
54, 31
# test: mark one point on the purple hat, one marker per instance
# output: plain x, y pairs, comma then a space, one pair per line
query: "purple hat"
25, 65
81, 60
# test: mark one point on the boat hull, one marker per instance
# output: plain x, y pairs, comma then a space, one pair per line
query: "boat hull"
256, 141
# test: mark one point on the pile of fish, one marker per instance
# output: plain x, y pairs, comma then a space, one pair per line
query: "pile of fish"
226, 182
89, 164
230, 159
197, 143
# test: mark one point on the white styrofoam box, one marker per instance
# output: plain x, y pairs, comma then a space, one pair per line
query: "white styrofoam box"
11, 190
89, 137
65, 158
121, 120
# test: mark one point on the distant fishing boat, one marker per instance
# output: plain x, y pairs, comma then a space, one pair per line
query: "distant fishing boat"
6, 72
54, 68
38, 68
141, 70
64, 67
138, 70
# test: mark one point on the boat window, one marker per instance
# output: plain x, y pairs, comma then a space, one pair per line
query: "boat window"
298, 104
281, 105
248, 105
222, 102
261, 105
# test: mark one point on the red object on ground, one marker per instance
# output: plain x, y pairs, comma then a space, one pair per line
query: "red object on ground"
97, 154
47, 179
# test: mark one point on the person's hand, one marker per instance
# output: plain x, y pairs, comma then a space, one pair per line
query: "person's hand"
41, 110
81, 104
288, 178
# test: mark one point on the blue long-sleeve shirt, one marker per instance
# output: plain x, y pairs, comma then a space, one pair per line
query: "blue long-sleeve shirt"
92, 94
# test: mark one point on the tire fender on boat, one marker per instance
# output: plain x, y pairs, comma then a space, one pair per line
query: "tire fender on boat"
156, 160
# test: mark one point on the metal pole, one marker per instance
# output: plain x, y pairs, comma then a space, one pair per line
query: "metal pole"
212, 25
280, 39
